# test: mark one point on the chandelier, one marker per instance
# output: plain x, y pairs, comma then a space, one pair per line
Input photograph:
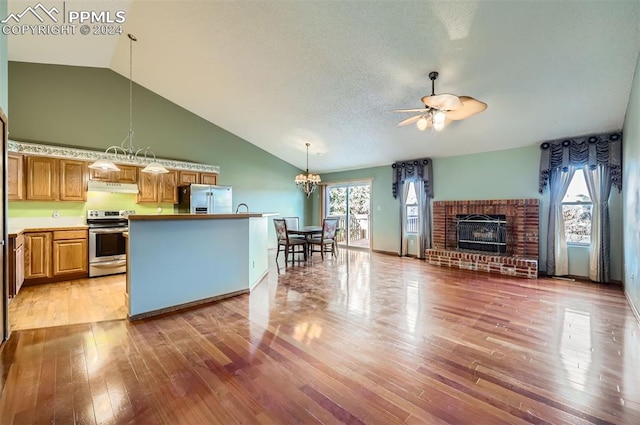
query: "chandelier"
126, 151
307, 182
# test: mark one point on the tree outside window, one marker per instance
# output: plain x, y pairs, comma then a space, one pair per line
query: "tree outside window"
576, 209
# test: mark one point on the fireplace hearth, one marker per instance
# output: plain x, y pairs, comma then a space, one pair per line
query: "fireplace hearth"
512, 237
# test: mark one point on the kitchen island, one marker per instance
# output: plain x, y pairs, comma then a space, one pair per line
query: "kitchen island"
181, 260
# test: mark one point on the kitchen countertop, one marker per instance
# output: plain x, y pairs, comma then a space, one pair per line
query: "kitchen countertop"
149, 217
15, 231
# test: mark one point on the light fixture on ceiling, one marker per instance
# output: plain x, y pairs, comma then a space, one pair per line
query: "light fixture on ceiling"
441, 109
126, 151
307, 182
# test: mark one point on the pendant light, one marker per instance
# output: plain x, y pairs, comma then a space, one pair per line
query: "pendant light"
307, 182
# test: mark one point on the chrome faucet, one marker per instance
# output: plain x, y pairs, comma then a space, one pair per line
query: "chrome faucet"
245, 205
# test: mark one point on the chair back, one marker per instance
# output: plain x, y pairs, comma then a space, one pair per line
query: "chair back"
281, 228
292, 222
329, 226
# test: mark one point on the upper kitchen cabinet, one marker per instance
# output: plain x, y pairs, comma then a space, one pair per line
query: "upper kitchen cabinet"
208, 178
15, 181
185, 178
73, 180
42, 178
52, 179
158, 188
127, 174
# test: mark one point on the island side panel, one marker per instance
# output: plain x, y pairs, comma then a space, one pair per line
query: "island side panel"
258, 250
177, 262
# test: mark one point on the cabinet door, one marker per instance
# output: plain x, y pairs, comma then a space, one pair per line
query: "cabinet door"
167, 188
73, 180
37, 256
15, 183
186, 178
42, 178
70, 256
147, 187
208, 178
100, 175
127, 174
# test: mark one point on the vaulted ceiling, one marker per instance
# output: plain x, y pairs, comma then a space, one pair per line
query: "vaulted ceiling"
282, 73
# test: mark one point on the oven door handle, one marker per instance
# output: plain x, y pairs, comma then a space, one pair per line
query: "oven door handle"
110, 230
110, 263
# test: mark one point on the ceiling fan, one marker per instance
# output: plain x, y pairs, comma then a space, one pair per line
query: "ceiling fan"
441, 109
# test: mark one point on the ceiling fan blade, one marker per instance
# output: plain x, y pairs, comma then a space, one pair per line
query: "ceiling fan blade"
411, 110
448, 102
470, 106
408, 121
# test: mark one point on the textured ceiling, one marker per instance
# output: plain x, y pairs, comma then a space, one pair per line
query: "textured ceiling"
282, 73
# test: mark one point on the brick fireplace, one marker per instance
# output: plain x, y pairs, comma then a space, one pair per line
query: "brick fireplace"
522, 224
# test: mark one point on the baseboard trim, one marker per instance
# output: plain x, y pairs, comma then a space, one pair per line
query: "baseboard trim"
378, 251
186, 306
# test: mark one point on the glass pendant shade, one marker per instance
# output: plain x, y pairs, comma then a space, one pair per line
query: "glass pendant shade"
105, 165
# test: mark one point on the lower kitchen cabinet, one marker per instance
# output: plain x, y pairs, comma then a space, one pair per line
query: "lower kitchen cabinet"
70, 252
55, 255
16, 264
37, 258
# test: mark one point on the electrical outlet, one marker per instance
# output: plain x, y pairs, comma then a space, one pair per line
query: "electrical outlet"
379, 208
55, 214
633, 278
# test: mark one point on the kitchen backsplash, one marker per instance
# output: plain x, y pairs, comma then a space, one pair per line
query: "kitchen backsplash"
95, 201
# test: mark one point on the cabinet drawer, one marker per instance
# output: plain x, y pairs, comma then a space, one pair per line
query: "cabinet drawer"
69, 234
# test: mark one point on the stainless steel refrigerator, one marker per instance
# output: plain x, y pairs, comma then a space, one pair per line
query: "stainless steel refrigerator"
205, 199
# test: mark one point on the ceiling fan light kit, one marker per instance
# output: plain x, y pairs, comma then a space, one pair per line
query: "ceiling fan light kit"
441, 109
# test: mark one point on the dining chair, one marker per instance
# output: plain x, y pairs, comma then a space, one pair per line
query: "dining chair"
326, 241
293, 224
287, 243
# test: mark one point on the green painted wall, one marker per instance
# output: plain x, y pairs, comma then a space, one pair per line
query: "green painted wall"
89, 108
631, 192
4, 97
506, 174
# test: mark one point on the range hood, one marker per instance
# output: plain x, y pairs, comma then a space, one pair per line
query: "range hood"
95, 186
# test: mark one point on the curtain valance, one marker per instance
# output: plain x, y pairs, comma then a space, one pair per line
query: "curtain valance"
420, 169
593, 150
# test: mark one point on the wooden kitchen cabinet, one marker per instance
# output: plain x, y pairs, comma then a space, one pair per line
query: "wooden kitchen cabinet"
127, 174
55, 255
15, 180
37, 255
185, 178
70, 252
158, 188
41, 178
168, 188
208, 178
73, 180
16, 264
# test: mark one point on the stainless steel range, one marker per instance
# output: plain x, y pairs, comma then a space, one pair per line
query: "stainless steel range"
107, 244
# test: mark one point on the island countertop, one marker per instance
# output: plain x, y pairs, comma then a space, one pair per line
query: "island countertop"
149, 217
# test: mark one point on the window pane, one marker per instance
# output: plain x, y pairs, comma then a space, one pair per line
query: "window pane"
577, 223
412, 199
577, 191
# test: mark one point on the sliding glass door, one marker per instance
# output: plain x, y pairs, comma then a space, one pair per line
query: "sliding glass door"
351, 204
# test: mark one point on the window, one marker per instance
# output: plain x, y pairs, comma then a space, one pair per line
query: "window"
576, 209
411, 204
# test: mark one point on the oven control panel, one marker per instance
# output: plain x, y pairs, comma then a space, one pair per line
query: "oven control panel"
108, 214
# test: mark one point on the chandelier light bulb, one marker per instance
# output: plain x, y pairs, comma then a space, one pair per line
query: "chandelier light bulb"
422, 123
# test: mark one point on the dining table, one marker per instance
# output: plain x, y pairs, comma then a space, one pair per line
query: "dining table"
308, 232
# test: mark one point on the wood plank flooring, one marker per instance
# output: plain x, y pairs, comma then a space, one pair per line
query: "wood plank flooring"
361, 339
65, 303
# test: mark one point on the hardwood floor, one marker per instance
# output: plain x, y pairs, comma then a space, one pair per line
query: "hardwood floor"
364, 338
65, 303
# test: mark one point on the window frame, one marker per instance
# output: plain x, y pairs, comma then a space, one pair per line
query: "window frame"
406, 211
579, 203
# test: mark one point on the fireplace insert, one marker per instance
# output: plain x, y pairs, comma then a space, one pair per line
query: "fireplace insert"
486, 233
